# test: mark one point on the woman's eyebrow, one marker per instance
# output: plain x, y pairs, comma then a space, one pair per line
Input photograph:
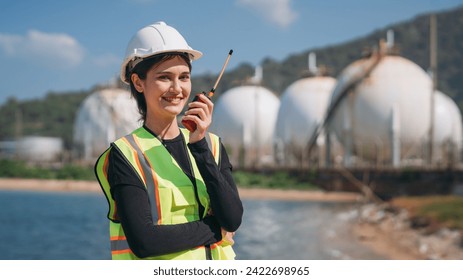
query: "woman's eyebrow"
170, 72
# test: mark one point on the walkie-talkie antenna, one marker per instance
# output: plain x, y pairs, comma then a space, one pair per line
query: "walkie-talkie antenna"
211, 93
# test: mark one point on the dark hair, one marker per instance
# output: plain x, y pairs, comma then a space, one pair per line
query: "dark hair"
142, 68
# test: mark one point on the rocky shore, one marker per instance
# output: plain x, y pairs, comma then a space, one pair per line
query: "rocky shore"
392, 232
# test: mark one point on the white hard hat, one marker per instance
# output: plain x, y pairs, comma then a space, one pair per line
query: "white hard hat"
154, 39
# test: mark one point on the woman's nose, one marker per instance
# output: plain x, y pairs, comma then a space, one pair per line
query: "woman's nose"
176, 86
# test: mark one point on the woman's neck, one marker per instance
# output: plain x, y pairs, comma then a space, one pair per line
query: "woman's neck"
164, 129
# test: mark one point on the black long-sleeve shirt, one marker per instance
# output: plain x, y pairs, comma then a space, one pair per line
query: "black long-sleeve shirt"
147, 239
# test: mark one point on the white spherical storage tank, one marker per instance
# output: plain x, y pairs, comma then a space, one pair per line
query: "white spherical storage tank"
385, 108
103, 117
244, 117
40, 149
447, 129
302, 109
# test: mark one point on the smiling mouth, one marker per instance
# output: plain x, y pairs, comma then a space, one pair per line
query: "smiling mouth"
172, 99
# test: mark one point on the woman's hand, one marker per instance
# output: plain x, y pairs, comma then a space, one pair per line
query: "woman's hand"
227, 237
200, 112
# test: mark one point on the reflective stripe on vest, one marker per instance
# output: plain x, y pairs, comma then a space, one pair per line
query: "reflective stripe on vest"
146, 172
172, 201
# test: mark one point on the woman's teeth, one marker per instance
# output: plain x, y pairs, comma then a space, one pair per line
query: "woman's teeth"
172, 99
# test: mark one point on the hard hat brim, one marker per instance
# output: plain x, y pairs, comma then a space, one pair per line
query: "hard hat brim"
193, 54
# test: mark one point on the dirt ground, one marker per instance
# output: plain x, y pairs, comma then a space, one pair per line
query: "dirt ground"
385, 232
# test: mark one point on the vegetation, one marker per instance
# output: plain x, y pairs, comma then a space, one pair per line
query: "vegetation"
19, 169
436, 211
52, 116
275, 180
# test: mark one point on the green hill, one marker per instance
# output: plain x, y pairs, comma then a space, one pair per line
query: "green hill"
411, 37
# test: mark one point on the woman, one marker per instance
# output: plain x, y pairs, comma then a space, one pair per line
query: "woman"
171, 192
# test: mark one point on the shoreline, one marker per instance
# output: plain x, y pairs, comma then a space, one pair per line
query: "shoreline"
247, 193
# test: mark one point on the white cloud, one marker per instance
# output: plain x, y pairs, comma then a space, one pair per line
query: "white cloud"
278, 12
53, 49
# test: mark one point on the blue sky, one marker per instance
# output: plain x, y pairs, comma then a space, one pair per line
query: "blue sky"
71, 45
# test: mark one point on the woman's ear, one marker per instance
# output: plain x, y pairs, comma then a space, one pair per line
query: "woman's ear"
137, 82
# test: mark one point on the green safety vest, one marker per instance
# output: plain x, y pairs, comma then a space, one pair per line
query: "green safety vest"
173, 198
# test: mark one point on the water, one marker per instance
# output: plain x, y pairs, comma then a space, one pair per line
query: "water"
288, 230
53, 226
73, 226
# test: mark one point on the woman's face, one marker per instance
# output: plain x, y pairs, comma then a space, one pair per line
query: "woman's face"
166, 88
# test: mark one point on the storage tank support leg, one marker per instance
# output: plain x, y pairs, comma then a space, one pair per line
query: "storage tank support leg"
395, 136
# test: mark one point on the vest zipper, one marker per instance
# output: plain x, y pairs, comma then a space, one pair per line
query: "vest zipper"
200, 206
193, 180
208, 252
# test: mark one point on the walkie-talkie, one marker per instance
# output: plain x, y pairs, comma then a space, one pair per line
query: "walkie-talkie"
191, 125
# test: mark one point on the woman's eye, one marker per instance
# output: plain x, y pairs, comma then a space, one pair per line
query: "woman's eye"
163, 78
185, 77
